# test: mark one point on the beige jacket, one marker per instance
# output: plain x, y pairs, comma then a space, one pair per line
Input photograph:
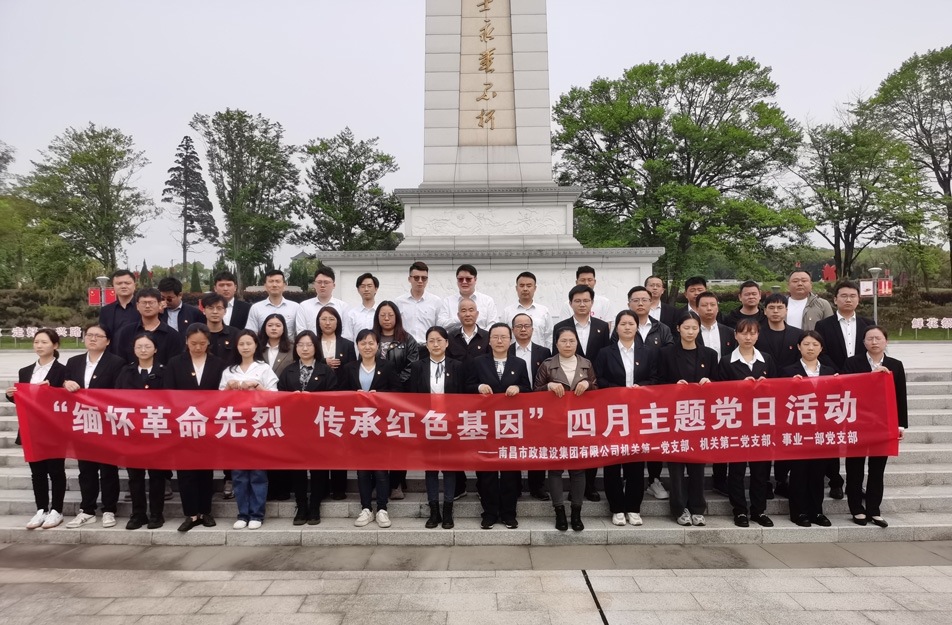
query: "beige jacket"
551, 371
817, 308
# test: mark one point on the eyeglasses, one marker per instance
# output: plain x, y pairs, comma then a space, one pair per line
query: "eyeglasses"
95, 335
639, 300
305, 345
419, 278
522, 326
461, 279
147, 302
581, 301
170, 298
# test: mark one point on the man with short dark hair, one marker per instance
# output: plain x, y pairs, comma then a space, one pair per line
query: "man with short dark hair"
221, 337
236, 310
718, 337
541, 319
418, 308
121, 312
177, 313
601, 306
749, 296
652, 334
693, 287
660, 311
532, 354
275, 285
363, 317
168, 342
805, 308
466, 283
324, 282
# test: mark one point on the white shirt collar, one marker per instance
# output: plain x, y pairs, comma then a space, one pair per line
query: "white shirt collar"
872, 363
841, 318
735, 356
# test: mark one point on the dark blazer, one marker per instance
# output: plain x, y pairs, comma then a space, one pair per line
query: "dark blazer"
180, 373
130, 379
459, 350
482, 370
104, 375
239, 314
674, 364
344, 351
112, 317
834, 347
797, 369
659, 335
168, 342
728, 342
453, 382
385, 380
281, 362
539, 354
187, 316
670, 315
732, 371
860, 364
223, 343
783, 346
610, 370
599, 336
551, 371
322, 378
55, 376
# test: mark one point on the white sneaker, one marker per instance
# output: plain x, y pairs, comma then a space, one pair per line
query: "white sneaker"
81, 519
240, 525
108, 519
364, 518
656, 490
618, 518
685, 518
37, 521
383, 519
253, 525
53, 519
634, 518
697, 519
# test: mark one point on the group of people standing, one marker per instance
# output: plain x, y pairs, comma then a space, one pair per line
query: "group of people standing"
421, 343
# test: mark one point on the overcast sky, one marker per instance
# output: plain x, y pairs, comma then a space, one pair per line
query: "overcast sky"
317, 66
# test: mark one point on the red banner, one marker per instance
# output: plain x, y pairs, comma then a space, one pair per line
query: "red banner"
848, 415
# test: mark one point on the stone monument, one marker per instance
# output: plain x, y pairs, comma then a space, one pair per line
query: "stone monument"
488, 197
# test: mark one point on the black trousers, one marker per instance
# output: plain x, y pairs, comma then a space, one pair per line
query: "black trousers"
625, 486
686, 491
832, 469
759, 472
498, 493
279, 483
590, 475
195, 489
781, 470
806, 487
719, 474
47, 474
874, 484
654, 471
91, 475
536, 480
156, 500
398, 478
460, 482
317, 485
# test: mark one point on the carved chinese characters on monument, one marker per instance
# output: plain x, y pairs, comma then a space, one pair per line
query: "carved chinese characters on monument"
487, 94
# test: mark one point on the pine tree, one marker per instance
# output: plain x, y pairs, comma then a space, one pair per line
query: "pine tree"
145, 276
185, 190
196, 286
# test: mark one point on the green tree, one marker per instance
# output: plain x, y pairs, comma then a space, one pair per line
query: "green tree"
345, 208
185, 190
145, 276
916, 102
85, 185
255, 182
6, 159
196, 281
680, 155
859, 186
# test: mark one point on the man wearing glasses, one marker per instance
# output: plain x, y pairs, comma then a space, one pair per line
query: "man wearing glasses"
324, 282
177, 313
466, 282
168, 342
418, 308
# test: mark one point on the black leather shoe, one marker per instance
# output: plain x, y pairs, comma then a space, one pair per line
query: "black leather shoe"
860, 521
338, 496
155, 522
763, 520
592, 495
188, 524
802, 520
314, 515
135, 523
836, 492
770, 491
577, 525
822, 521
740, 520
510, 524
300, 516
561, 523
540, 494
487, 523
879, 521
208, 520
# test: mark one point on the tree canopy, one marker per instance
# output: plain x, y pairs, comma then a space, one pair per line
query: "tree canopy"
186, 192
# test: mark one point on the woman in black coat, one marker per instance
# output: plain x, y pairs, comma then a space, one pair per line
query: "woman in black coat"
195, 370
307, 374
51, 473
806, 476
145, 374
875, 359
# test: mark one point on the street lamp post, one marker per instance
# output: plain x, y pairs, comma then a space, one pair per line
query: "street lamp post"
102, 280
875, 271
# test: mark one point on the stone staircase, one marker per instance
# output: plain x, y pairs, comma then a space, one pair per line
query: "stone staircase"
918, 505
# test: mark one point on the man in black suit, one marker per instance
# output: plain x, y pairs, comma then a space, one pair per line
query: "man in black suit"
469, 341
236, 311
660, 311
177, 313
593, 334
720, 338
502, 374
122, 312
221, 336
533, 355
167, 341
97, 368
843, 335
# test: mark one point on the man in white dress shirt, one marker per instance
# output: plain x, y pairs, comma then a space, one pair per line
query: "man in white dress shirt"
541, 319
274, 284
324, 282
466, 282
362, 317
418, 308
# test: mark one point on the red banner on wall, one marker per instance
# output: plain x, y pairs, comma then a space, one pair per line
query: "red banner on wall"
848, 415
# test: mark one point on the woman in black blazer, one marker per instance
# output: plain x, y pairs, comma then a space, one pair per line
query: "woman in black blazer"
307, 374
370, 374
438, 375
875, 359
333, 349
195, 370
145, 374
51, 473
806, 476
625, 494
687, 362
746, 362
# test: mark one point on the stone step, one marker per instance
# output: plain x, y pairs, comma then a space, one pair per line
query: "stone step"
7, 409
929, 388
928, 375
912, 526
930, 402
925, 418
